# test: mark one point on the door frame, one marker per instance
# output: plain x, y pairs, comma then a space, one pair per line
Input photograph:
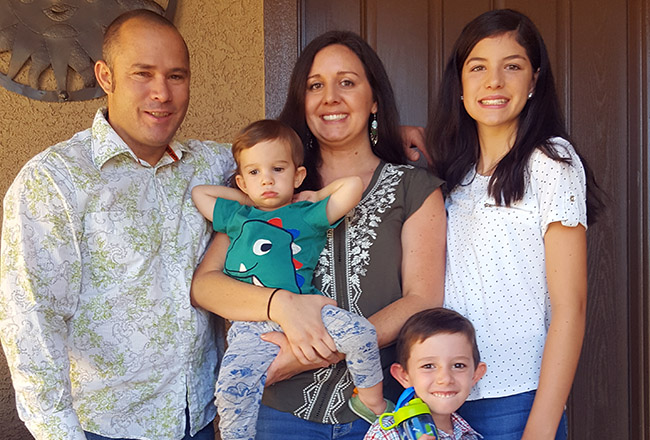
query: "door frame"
638, 216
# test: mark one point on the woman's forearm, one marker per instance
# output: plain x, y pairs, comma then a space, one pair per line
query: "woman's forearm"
423, 268
216, 292
389, 320
298, 315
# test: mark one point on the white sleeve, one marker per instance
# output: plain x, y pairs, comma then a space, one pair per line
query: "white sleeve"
40, 267
560, 187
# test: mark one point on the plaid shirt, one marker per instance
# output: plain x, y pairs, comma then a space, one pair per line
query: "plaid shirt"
462, 431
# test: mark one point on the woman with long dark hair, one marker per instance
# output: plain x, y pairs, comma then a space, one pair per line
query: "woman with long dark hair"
384, 261
518, 195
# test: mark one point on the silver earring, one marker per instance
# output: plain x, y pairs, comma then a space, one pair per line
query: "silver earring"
461, 97
530, 95
374, 136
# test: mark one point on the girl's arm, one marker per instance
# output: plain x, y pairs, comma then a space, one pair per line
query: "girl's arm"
204, 197
566, 275
414, 143
298, 315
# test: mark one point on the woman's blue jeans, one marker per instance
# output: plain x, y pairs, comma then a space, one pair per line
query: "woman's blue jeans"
504, 418
277, 425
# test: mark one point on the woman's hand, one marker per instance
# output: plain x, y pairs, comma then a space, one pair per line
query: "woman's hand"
286, 365
300, 319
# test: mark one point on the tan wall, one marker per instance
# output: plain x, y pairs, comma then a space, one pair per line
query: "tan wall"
226, 41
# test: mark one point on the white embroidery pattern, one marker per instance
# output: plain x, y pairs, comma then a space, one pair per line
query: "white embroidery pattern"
361, 230
337, 400
360, 227
323, 269
310, 393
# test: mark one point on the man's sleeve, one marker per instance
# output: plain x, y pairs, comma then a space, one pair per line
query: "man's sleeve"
40, 278
221, 163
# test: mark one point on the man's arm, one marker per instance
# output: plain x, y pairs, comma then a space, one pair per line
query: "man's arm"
40, 279
205, 196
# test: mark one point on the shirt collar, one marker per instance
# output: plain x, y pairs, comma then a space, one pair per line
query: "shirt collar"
106, 143
462, 428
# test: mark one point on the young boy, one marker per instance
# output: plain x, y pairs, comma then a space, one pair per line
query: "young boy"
437, 355
276, 243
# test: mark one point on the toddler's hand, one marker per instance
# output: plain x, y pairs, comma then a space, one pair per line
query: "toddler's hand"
305, 196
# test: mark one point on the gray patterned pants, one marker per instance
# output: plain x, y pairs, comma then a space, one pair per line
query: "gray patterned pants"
242, 374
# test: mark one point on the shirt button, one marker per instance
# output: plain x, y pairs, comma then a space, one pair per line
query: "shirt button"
572, 198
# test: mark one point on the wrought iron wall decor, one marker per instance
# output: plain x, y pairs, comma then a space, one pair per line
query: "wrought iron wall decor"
59, 40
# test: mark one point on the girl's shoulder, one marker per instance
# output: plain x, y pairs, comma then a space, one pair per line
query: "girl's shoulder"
560, 146
566, 158
559, 184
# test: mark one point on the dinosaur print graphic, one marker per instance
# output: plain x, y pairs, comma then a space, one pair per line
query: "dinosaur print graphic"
265, 256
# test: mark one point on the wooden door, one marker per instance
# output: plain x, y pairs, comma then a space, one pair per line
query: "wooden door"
599, 52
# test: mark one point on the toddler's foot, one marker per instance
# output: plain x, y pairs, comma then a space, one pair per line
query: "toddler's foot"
367, 414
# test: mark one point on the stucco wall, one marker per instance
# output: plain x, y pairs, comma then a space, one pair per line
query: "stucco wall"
226, 44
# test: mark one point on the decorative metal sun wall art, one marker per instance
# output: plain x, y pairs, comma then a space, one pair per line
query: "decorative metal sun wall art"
48, 48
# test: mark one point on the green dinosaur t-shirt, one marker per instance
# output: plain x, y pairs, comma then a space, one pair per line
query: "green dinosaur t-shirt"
277, 248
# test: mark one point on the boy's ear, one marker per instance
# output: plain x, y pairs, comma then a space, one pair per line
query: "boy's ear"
241, 183
301, 173
400, 374
479, 372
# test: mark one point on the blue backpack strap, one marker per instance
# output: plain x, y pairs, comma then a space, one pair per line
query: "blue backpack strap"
406, 396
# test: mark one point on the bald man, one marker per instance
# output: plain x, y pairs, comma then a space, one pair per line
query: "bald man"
100, 240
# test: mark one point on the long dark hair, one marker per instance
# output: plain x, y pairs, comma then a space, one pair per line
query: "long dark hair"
389, 148
452, 137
